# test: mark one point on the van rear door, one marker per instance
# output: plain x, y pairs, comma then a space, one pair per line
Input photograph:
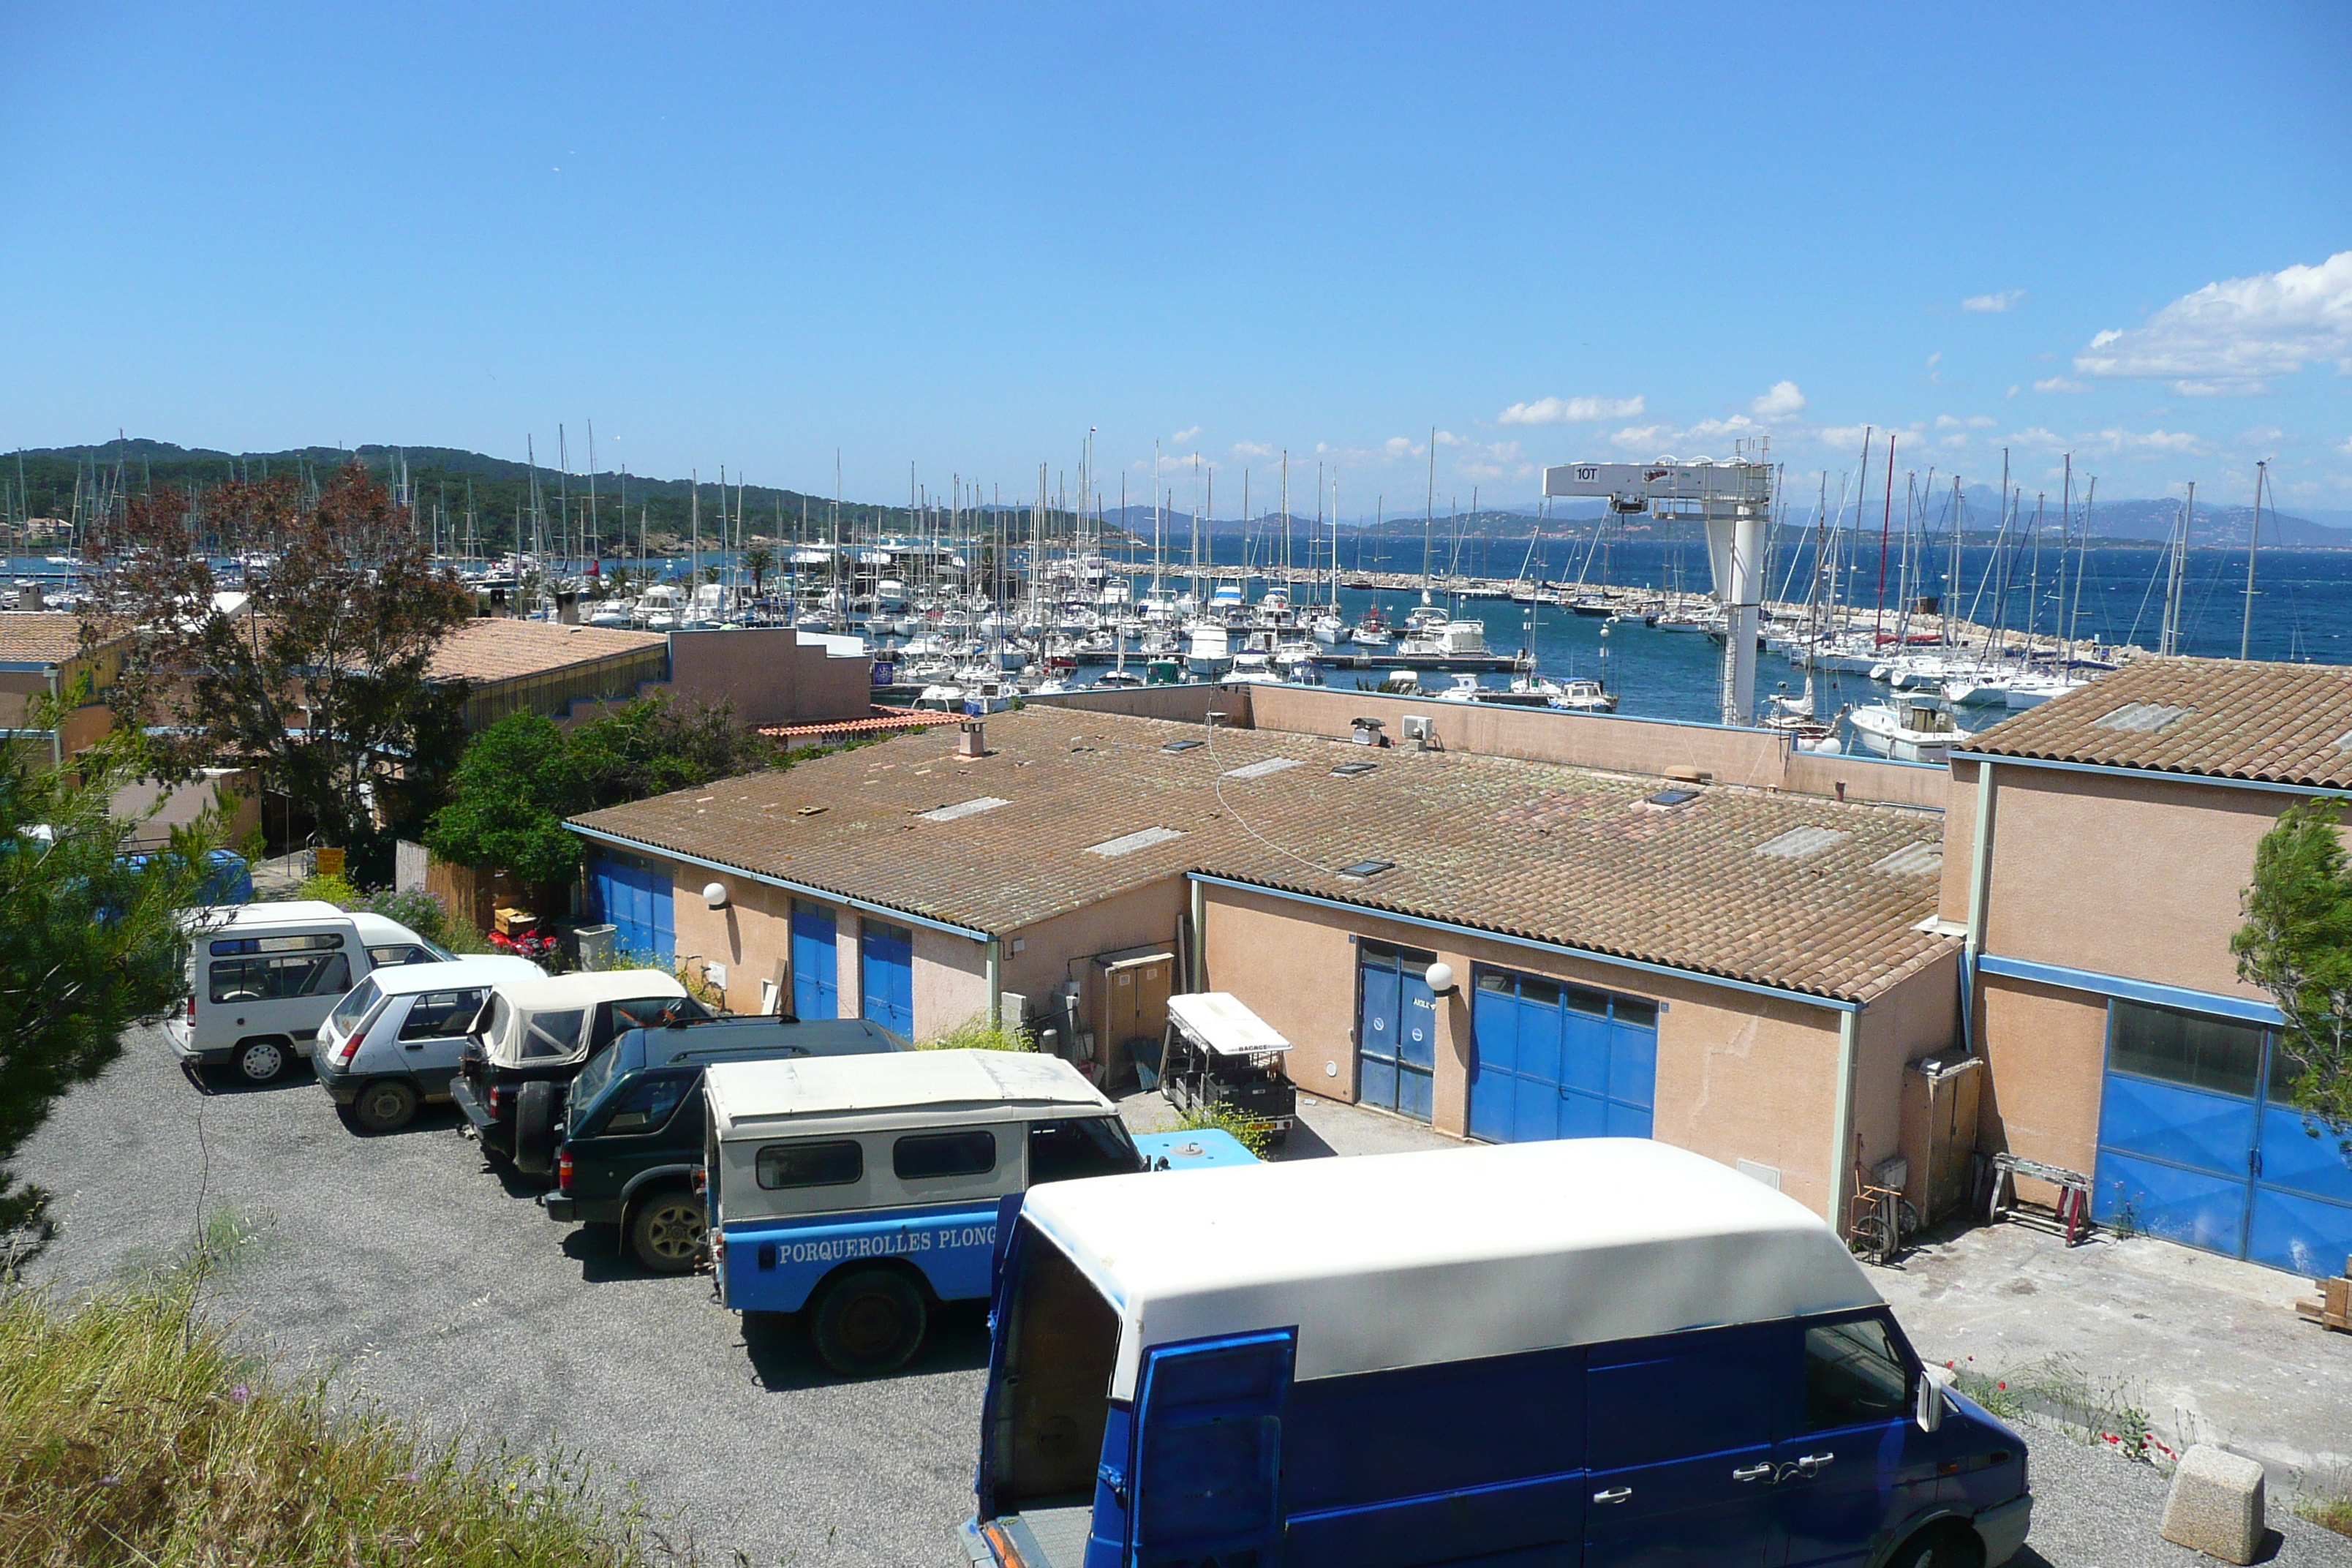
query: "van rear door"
1207, 1470
1678, 1432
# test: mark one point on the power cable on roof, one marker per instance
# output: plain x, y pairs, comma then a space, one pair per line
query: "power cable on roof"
1217, 783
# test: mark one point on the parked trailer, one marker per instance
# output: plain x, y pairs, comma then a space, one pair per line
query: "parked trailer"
864, 1189
1605, 1352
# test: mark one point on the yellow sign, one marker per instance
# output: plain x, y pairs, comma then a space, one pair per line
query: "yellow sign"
329, 861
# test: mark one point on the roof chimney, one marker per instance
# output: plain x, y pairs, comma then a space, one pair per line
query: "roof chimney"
969, 741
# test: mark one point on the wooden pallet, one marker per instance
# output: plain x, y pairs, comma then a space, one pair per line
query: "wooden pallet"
2332, 1308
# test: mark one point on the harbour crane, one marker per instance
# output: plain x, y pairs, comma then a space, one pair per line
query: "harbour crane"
1733, 498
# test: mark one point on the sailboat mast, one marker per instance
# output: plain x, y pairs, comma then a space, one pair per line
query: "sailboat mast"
2253, 542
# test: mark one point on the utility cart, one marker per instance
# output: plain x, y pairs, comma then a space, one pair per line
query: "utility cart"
1218, 1053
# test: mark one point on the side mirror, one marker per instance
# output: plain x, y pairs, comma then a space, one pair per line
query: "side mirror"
1927, 1402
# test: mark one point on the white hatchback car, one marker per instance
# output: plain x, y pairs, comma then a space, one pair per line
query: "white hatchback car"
393, 1042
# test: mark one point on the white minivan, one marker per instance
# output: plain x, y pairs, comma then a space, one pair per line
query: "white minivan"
263, 977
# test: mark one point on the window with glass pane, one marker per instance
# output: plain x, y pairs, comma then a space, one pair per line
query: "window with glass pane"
933, 1155
1853, 1375
2187, 1048
1640, 1015
646, 1104
552, 1033
831, 1164
440, 1013
1082, 1146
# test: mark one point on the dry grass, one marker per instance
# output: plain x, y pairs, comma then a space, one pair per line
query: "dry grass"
131, 1433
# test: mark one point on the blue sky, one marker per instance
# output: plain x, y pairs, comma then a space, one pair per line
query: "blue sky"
960, 238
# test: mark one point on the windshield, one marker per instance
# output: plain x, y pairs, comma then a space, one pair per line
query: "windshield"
1080, 1146
356, 1004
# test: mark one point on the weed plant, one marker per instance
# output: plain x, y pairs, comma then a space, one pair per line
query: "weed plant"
977, 1034
132, 1432
1254, 1135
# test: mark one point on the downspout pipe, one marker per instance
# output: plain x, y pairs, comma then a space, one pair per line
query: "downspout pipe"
1841, 1157
57, 721
1979, 899
1198, 979
995, 983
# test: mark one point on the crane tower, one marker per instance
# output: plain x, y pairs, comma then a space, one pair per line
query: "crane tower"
1733, 498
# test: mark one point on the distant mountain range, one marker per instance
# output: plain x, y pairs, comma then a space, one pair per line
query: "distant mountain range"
448, 483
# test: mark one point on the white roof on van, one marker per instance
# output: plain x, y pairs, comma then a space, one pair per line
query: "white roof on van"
1396, 1260
476, 969
744, 1092
244, 917
376, 930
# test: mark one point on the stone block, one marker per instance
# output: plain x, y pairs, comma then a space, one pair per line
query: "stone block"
2216, 1506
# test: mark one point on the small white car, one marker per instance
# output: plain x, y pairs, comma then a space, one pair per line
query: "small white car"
261, 978
392, 1044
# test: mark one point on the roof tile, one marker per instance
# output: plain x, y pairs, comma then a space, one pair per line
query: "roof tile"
2224, 718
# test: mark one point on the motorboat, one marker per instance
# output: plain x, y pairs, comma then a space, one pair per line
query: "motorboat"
1465, 689
1578, 694
1252, 666
1330, 629
1909, 730
1208, 648
1444, 639
657, 609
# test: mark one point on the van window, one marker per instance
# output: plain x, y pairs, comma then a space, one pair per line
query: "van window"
923, 1155
834, 1164
279, 978
241, 946
437, 1015
353, 1007
552, 1034
651, 1012
1853, 1375
1081, 1146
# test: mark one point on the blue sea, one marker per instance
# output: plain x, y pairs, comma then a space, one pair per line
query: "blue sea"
2303, 606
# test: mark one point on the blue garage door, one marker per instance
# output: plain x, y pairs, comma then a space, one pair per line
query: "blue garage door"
1396, 1029
888, 969
1559, 1061
816, 992
635, 897
2192, 1147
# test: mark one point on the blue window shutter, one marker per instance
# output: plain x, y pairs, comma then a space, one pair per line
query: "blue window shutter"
1208, 1483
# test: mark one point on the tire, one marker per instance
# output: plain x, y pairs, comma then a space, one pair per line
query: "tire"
387, 1105
1948, 1545
666, 1231
262, 1061
868, 1323
536, 1109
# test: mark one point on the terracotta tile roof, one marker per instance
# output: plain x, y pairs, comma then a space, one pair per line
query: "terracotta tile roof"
1072, 808
877, 720
42, 636
500, 650
2275, 723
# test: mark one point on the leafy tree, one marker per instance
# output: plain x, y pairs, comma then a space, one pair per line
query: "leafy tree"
2296, 945
523, 776
89, 943
320, 681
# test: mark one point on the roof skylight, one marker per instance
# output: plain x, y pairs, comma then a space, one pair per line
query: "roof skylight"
962, 808
1353, 770
2143, 718
1801, 842
1671, 796
1182, 745
1363, 868
1259, 770
1129, 844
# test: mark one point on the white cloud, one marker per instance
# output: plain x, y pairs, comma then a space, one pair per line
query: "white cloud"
2228, 336
1182, 436
2035, 435
2344, 447
1996, 303
1639, 438
1252, 450
1782, 401
1973, 422
1448, 438
2059, 384
1398, 447
1570, 410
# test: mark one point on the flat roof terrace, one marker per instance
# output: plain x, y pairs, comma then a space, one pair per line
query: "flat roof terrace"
1070, 808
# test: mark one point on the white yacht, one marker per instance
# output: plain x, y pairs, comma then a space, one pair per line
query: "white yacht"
1910, 729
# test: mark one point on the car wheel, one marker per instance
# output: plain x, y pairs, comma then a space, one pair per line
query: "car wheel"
1940, 1546
666, 1231
868, 1323
261, 1061
534, 1126
386, 1106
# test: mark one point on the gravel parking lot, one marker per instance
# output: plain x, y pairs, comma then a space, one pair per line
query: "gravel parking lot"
423, 1281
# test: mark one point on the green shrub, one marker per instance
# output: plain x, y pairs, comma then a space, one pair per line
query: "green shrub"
1254, 1135
131, 1433
328, 888
977, 1034
419, 910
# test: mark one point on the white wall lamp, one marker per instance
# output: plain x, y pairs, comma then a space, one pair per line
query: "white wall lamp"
715, 895
1440, 978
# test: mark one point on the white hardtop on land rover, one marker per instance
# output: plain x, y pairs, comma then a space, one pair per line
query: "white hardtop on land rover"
533, 1038
1603, 1350
263, 977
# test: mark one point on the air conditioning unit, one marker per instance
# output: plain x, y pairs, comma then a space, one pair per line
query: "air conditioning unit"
1420, 728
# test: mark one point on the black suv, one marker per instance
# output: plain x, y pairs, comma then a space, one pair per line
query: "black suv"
635, 1139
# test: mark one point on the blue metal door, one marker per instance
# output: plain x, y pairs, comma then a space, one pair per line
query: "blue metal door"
2193, 1146
1396, 1030
886, 983
636, 900
1559, 1061
1208, 1470
816, 993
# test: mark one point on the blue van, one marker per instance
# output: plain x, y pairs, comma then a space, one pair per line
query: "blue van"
864, 1189
1605, 1352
